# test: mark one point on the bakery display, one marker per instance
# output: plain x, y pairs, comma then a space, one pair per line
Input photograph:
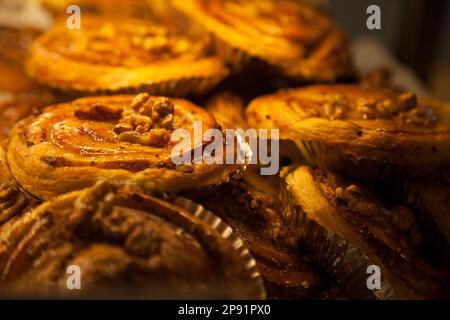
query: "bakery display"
295, 39
135, 151
371, 133
346, 228
115, 55
125, 139
124, 242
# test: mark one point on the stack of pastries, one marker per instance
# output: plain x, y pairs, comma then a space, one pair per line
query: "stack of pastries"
88, 179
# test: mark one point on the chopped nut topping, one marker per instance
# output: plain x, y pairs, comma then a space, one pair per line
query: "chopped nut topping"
400, 219
147, 121
355, 201
419, 116
335, 106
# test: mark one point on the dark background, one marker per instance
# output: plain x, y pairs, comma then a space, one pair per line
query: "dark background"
417, 32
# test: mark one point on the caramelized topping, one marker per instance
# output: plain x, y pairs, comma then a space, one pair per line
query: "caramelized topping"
147, 121
354, 103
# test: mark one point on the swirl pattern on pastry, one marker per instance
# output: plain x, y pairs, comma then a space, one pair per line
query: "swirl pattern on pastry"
123, 139
363, 132
300, 40
12, 200
124, 242
108, 55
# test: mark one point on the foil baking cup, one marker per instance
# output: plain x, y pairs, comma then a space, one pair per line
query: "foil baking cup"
227, 233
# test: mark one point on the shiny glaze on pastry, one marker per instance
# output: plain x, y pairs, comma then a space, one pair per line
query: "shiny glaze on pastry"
110, 55
301, 41
124, 139
125, 244
345, 227
362, 132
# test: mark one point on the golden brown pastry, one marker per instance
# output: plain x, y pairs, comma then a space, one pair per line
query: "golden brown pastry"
229, 110
346, 228
253, 216
124, 139
294, 38
125, 244
13, 201
119, 8
111, 55
362, 132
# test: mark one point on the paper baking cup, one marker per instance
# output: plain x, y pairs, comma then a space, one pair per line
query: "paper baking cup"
173, 88
335, 255
236, 59
226, 232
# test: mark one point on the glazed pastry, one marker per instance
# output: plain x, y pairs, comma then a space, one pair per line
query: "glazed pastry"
118, 8
228, 109
253, 216
430, 200
109, 55
12, 200
123, 139
345, 228
124, 243
291, 37
362, 132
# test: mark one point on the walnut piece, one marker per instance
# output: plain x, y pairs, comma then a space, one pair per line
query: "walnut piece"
147, 121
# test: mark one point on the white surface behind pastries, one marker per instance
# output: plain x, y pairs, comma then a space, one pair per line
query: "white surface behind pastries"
23, 14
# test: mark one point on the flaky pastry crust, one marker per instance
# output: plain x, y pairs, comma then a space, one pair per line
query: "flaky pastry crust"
111, 55
122, 139
13, 201
295, 38
125, 244
363, 132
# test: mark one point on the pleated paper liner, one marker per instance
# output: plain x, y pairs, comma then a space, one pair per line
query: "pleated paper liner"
335, 255
180, 88
255, 282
